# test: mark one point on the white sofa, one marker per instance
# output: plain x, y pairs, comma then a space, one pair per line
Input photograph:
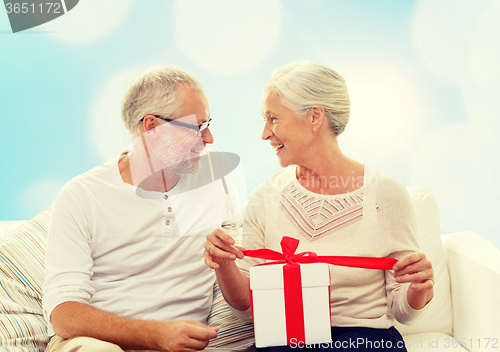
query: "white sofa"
464, 312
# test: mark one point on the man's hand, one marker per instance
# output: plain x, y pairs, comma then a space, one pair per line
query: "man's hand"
220, 248
417, 269
185, 336
74, 319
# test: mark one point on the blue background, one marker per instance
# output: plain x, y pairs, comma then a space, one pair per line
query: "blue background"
424, 79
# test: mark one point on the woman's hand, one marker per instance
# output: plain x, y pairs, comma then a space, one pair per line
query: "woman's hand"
220, 249
220, 254
416, 269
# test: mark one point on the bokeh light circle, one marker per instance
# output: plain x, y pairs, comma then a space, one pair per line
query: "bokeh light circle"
225, 36
442, 30
451, 163
108, 132
39, 195
89, 21
384, 108
484, 51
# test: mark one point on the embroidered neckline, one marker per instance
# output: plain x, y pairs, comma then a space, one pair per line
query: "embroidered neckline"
316, 217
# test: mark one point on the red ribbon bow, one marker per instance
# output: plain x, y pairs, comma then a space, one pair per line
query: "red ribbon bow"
289, 245
292, 278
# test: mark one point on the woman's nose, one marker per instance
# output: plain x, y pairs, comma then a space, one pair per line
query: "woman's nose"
267, 133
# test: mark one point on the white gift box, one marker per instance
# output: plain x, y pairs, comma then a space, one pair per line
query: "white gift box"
268, 304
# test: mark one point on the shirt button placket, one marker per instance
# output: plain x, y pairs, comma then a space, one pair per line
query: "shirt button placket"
168, 230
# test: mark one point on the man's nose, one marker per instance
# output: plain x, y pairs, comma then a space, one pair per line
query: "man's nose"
208, 137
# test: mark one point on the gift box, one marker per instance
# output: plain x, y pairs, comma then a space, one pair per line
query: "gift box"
287, 317
290, 297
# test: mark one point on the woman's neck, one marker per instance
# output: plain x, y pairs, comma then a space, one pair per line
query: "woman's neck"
330, 172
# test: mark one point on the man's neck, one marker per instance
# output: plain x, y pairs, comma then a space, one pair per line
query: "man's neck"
158, 182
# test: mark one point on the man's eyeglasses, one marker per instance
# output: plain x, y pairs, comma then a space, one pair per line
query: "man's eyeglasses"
199, 129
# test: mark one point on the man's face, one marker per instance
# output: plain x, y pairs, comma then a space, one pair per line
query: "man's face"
194, 102
179, 147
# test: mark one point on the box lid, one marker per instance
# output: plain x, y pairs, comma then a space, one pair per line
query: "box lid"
270, 277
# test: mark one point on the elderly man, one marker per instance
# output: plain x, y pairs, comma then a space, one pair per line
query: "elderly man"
124, 267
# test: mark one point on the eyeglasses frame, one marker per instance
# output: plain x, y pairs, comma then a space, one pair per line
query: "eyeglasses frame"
200, 129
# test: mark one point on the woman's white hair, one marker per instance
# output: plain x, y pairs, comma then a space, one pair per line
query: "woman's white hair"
156, 93
304, 84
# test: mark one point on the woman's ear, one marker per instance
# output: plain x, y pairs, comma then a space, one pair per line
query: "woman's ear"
316, 117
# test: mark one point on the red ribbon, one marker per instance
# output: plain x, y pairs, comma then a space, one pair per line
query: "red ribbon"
292, 280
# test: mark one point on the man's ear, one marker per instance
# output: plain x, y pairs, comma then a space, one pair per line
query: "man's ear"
148, 126
316, 117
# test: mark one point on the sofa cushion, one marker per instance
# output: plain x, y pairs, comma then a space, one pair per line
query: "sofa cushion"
22, 256
22, 325
234, 334
438, 316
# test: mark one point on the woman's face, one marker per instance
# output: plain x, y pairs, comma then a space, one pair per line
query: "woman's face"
286, 131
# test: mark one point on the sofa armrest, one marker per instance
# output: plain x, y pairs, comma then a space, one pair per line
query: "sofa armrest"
474, 267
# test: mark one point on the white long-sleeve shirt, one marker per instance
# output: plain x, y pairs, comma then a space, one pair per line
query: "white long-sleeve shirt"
134, 253
376, 220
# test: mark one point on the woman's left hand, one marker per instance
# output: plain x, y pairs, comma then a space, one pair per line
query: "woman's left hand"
416, 269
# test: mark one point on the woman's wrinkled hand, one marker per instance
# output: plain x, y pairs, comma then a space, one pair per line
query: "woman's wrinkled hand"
416, 269
220, 249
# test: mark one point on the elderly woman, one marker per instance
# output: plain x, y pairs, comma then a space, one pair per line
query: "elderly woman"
335, 206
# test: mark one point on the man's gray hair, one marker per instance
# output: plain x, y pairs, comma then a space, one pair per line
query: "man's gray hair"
303, 84
155, 92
